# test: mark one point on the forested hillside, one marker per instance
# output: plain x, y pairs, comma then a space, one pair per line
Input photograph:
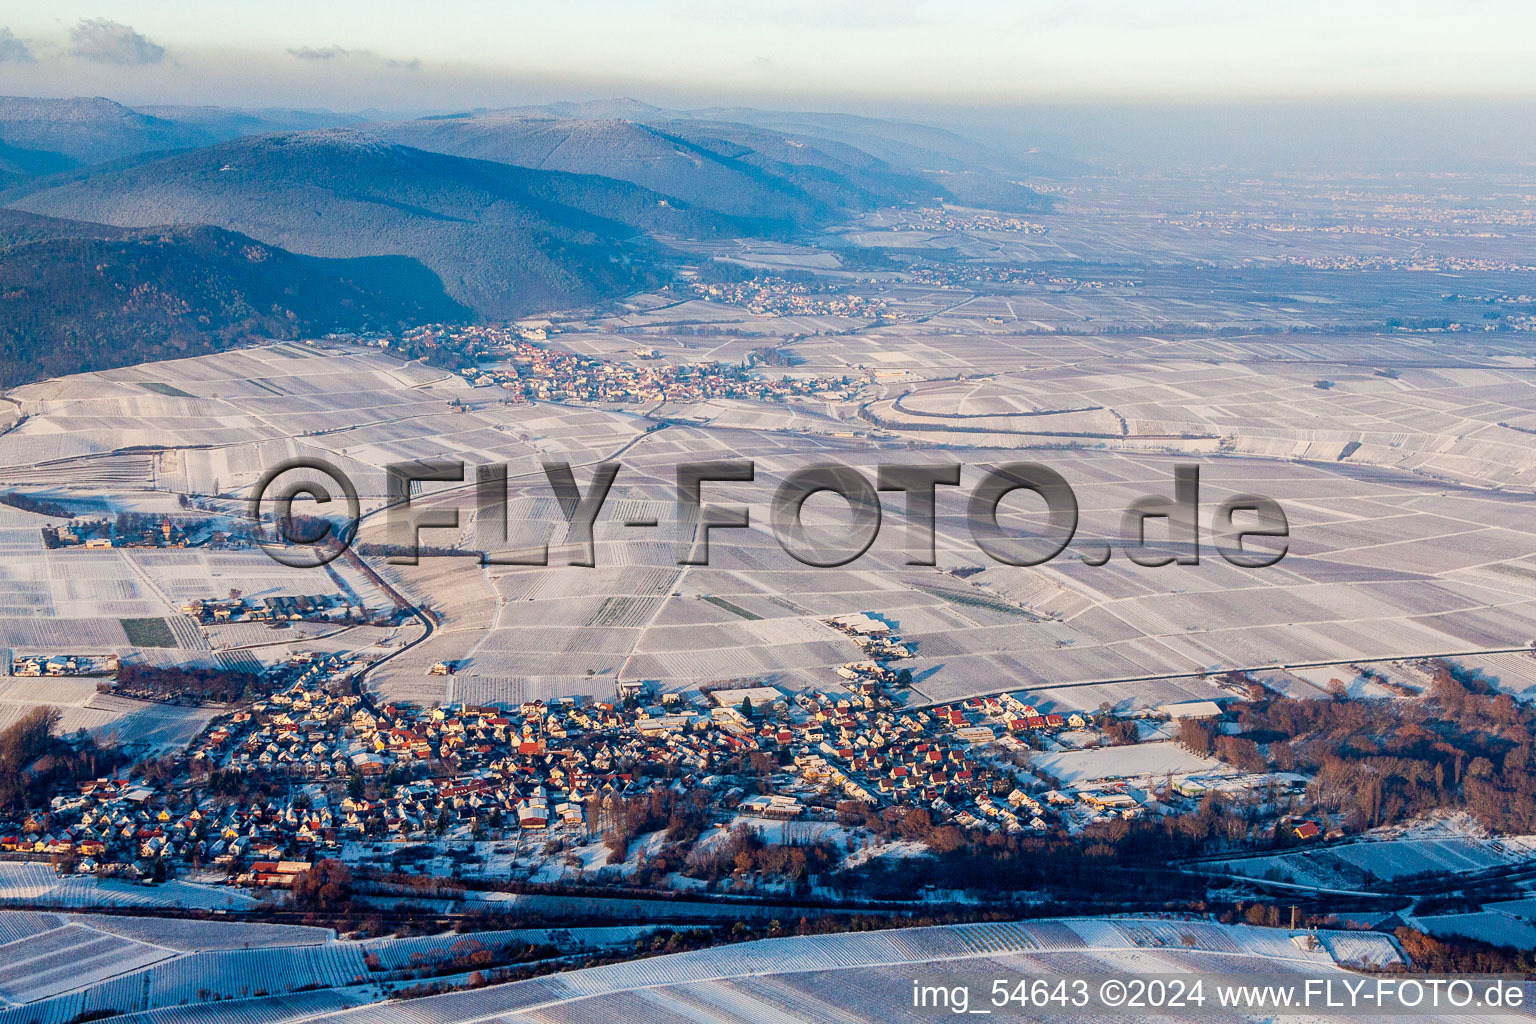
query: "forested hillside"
77, 297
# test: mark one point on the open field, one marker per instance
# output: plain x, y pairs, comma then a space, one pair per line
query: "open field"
1380, 567
1140, 762
1382, 563
68, 958
1387, 857
1118, 337
32, 882
766, 979
871, 972
54, 967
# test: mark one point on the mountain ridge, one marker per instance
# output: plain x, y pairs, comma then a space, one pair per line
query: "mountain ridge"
505, 240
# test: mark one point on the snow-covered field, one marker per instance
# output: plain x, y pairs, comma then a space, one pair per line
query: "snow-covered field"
192, 936
1364, 950
28, 882
1133, 641
868, 976
55, 967
1358, 865
70, 968
1491, 926
1137, 761
68, 958
396, 954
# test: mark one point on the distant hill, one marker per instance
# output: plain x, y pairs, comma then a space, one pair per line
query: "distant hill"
618, 107
845, 178
487, 213
901, 144
90, 130
221, 124
776, 184
505, 240
972, 173
76, 297
42, 136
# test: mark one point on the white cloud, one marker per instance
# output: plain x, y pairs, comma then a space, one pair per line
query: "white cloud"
111, 42
323, 53
14, 50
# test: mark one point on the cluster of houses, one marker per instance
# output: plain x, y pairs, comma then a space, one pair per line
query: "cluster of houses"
355, 770
534, 373
144, 533
508, 357
106, 827
296, 608
1019, 716
878, 753
63, 665
778, 296
939, 219
360, 771
874, 636
965, 276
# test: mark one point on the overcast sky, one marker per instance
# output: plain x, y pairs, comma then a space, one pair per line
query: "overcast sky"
866, 54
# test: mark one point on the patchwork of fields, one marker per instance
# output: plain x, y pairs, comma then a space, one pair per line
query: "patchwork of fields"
785, 979
1401, 562
56, 967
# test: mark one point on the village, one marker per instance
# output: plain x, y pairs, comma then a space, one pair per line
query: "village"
510, 357
770, 295
318, 769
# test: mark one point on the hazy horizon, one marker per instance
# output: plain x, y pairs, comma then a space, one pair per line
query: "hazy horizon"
788, 54
1193, 83
1407, 134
